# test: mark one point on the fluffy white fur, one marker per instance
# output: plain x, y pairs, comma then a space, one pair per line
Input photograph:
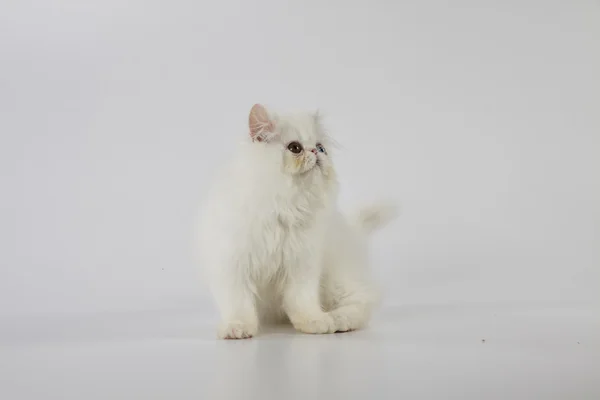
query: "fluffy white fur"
274, 245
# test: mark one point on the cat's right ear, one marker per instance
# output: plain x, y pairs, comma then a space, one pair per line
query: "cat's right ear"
260, 124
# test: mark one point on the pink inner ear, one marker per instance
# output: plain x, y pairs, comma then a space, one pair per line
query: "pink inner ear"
259, 122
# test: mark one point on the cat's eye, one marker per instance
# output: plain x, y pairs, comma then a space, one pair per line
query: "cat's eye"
295, 147
321, 148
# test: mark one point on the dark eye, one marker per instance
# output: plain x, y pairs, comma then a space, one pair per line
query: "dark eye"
295, 147
321, 148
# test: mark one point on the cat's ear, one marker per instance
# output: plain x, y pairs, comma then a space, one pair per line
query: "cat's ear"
260, 124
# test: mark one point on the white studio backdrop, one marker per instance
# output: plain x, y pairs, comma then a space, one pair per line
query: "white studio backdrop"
481, 118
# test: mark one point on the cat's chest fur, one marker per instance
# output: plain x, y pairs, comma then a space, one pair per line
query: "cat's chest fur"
287, 231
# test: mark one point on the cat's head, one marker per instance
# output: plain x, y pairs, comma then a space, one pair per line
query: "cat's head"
299, 139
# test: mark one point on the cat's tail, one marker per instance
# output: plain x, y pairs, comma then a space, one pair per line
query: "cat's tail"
369, 219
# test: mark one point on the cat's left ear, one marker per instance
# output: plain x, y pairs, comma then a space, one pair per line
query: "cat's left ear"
260, 123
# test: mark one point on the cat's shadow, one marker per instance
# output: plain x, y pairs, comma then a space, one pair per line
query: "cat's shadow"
280, 330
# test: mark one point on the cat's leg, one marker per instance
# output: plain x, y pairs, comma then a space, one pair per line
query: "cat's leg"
236, 303
349, 297
353, 306
301, 298
301, 303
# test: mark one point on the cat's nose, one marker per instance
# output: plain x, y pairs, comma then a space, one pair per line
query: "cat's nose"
314, 151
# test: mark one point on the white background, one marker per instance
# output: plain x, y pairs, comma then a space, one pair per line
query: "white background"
481, 118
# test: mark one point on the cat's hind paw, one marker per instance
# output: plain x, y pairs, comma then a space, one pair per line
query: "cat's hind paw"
315, 325
237, 330
348, 321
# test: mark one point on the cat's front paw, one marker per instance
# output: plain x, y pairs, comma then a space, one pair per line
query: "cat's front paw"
315, 324
237, 330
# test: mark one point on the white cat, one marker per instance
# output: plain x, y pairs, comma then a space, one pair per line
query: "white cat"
272, 241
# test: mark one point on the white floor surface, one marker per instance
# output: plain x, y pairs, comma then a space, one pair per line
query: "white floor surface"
461, 351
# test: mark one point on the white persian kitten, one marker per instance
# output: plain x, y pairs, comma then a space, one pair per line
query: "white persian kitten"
272, 241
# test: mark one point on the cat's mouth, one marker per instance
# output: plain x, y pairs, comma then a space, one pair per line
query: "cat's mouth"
318, 164
311, 165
